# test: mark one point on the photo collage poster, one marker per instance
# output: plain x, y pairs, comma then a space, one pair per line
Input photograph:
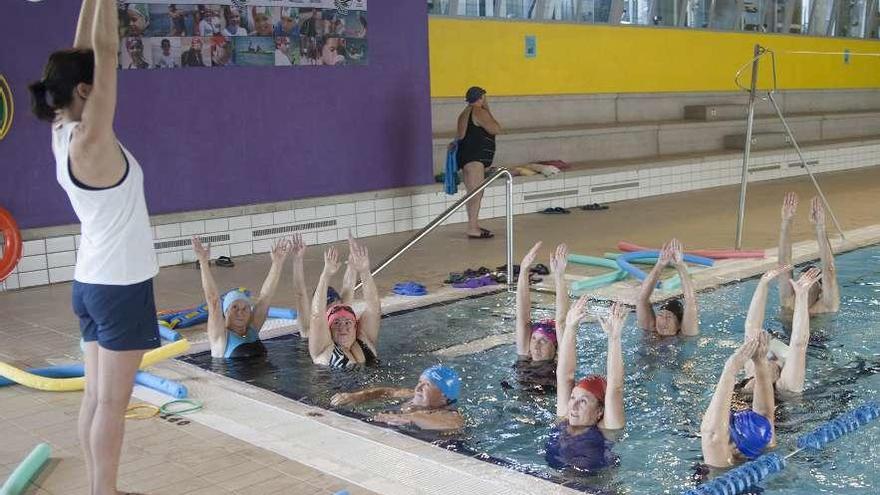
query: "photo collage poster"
165, 34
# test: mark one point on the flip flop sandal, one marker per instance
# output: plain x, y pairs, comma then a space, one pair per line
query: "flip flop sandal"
594, 207
540, 269
484, 234
503, 268
483, 270
224, 261
455, 278
558, 210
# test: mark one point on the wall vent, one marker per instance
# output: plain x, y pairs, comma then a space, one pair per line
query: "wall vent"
612, 187
293, 228
188, 242
548, 195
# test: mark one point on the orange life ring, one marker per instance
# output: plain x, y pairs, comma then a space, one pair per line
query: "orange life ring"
11, 244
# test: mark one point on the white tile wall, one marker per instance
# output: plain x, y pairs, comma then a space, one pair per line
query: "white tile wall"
51, 260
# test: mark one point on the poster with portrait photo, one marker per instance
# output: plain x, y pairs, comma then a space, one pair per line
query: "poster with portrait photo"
171, 19
133, 55
195, 52
288, 22
253, 51
208, 20
134, 19
262, 19
286, 51
165, 52
222, 51
235, 21
356, 51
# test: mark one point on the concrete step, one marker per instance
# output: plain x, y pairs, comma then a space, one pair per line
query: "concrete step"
760, 141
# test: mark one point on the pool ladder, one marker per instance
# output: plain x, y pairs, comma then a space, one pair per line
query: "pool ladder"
501, 172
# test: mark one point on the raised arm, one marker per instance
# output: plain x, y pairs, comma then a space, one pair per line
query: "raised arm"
300, 289
794, 371
370, 319
216, 321
349, 280
83, 38
566, 360
789, 207
829, 301
319, 333
763, 401
261, 306
95, 157
558, 262
715, 427
690, 324
524, 303
644, 309
755, 317
614, 418
370, 394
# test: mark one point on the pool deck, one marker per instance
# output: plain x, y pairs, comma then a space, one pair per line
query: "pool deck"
248, 440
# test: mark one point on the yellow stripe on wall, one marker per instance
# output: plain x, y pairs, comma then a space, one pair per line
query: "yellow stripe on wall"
586, 58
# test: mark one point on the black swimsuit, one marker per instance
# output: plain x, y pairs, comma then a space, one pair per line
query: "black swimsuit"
338, 359
476, 146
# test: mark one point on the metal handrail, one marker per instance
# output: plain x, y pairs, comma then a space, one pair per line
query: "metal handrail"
502, 172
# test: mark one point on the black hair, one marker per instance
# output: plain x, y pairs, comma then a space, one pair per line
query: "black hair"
675, 307
63, 72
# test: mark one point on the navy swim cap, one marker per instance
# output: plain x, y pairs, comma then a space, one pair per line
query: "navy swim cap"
474, 93
751, 432
332, 295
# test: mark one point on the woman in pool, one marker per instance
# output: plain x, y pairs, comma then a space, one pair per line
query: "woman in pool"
824, 297
672, 317
729, 437
590, 410
431, 405
301, 297
536, 341
788, 363
337, 336
234, 322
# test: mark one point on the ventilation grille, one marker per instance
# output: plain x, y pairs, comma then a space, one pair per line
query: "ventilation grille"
188, 242
765, 169
293, 228
811, 163
548, 195
612, 187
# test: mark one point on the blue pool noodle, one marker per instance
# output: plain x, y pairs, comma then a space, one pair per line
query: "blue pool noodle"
839, 426
739, 479
282, 313
168, 334
168, 387
624, 261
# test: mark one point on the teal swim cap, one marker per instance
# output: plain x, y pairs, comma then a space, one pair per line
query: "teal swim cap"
446, 379
235, 295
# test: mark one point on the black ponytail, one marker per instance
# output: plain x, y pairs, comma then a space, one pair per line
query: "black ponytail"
39, 104
63, 72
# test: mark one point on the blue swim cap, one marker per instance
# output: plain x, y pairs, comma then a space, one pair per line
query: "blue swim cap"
332, 295
751, 432
446, 379
235, 295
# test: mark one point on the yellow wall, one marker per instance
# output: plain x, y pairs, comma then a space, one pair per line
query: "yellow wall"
603, 59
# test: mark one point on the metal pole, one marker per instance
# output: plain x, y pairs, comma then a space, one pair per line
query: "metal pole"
748, 149
449, 211
804, 164
509, 213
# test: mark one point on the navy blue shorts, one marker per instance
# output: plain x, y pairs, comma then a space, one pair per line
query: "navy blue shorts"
118, 317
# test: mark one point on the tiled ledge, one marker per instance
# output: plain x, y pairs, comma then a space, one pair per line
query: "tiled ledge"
49, 254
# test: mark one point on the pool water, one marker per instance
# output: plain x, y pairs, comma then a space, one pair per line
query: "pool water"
668, 384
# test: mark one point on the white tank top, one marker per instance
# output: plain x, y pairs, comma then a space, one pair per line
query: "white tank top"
116, 247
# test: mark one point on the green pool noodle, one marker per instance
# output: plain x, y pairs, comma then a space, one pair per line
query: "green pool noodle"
671, 283
580, 286
19, 480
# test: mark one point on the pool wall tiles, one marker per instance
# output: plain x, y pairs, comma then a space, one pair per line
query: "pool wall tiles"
51, 260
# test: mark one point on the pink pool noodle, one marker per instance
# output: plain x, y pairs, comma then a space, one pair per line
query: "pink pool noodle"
716, 254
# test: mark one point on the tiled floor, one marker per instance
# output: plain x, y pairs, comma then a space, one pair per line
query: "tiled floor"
37, 327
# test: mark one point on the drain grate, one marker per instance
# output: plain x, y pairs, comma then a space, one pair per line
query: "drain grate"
548, 195
613, 187
188, 242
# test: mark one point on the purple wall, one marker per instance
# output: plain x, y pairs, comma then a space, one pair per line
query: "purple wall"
209, 138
